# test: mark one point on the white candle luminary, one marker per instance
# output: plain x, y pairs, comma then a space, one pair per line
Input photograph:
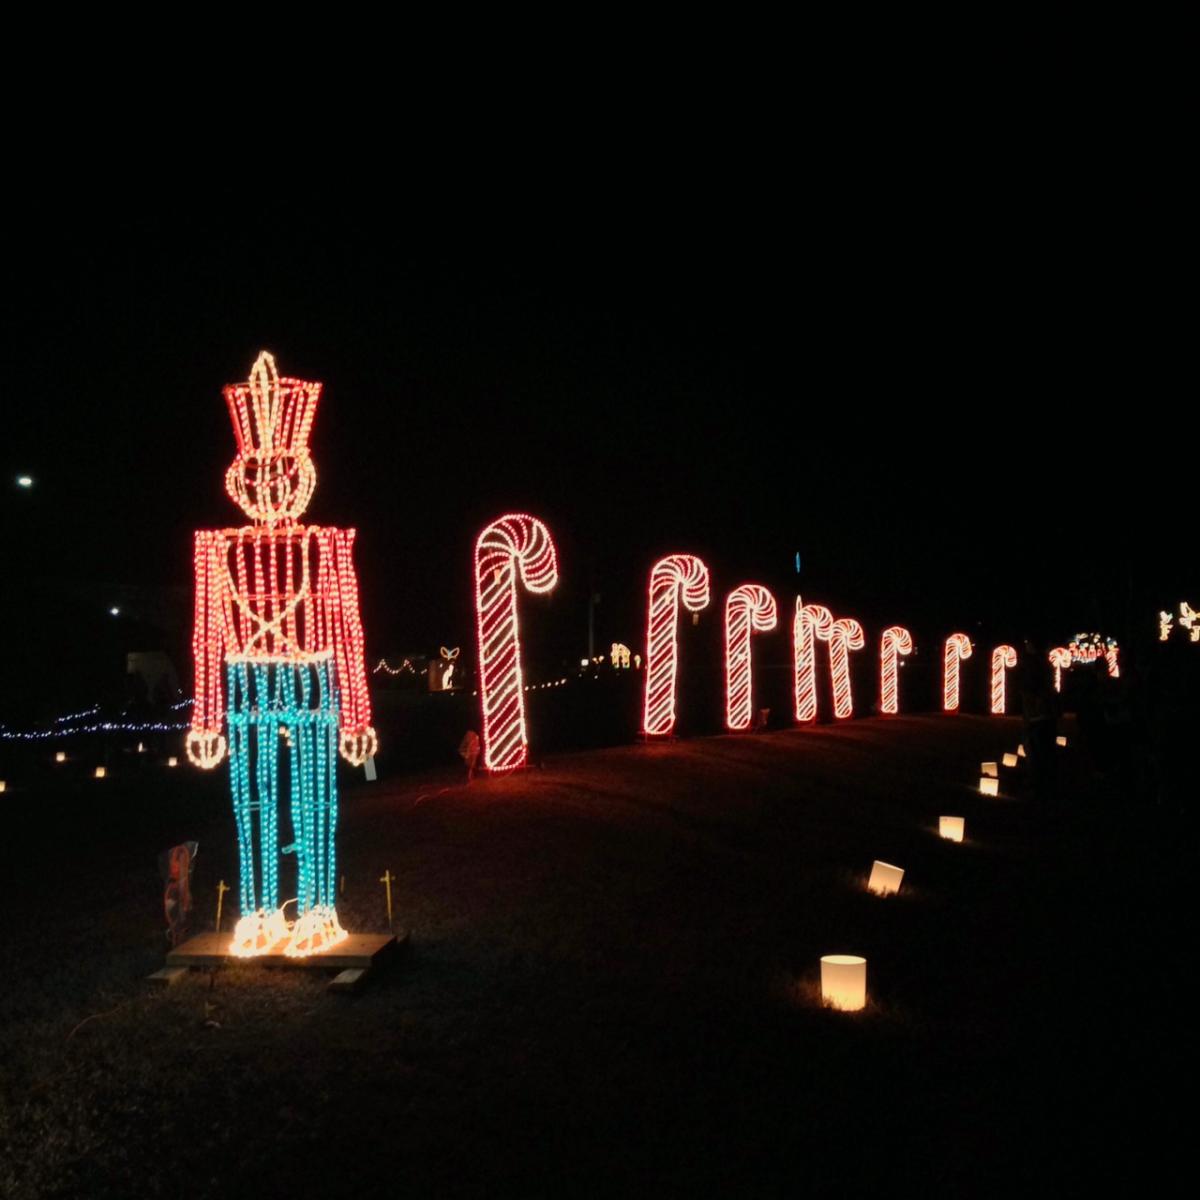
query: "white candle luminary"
885, 878
952, 828
844, 982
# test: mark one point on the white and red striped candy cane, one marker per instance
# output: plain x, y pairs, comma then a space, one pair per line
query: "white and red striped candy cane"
748, 607
812, 621
512, 542
674, 580
845, 634
1003, 658
1060, 660
958, 647
1114, 665
894, 641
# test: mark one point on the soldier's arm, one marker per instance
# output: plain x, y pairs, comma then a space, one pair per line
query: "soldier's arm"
205, 742
357, 740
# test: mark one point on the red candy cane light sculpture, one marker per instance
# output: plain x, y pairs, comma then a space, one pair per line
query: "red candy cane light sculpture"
1003, 658
512, 543
749, 607
958, 647
894, 641
1060, 660
845, 634
812, 621
674, 580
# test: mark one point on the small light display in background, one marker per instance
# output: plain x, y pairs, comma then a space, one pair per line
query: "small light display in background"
1189, 618
1091, 647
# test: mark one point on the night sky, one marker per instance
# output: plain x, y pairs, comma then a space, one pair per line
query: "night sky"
939, 369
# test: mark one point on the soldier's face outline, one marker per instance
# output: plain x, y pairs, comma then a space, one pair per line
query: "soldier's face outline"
274, 487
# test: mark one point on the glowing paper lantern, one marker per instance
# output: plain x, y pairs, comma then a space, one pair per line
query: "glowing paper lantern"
1021, 751
1060, 660
844, 982
958, 647
989, 769
749, 607
60, 757
812, 621
893, 642
278, 646
678, 579
100, 772
515, 543
885, 879
1003, 658
1060, 740
952, 828
989, 785
1010, 760
3, 786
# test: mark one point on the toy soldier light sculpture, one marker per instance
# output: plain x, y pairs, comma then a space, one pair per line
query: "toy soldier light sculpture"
278, 646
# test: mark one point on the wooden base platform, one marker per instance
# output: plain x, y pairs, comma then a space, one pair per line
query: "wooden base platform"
360, 951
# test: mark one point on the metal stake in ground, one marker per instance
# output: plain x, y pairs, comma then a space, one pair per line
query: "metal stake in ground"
387, 879
221, 890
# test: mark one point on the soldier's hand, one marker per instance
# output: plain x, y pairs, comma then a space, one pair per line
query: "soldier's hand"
205, 747
357, 745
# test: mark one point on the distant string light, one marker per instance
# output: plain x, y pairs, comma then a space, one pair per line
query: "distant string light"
1004, 658
448, 662
748, 608
382, 665
25, 481
676, 580
893, 642
512, 543
958, 648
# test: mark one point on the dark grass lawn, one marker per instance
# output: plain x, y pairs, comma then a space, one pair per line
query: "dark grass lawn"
612, 986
